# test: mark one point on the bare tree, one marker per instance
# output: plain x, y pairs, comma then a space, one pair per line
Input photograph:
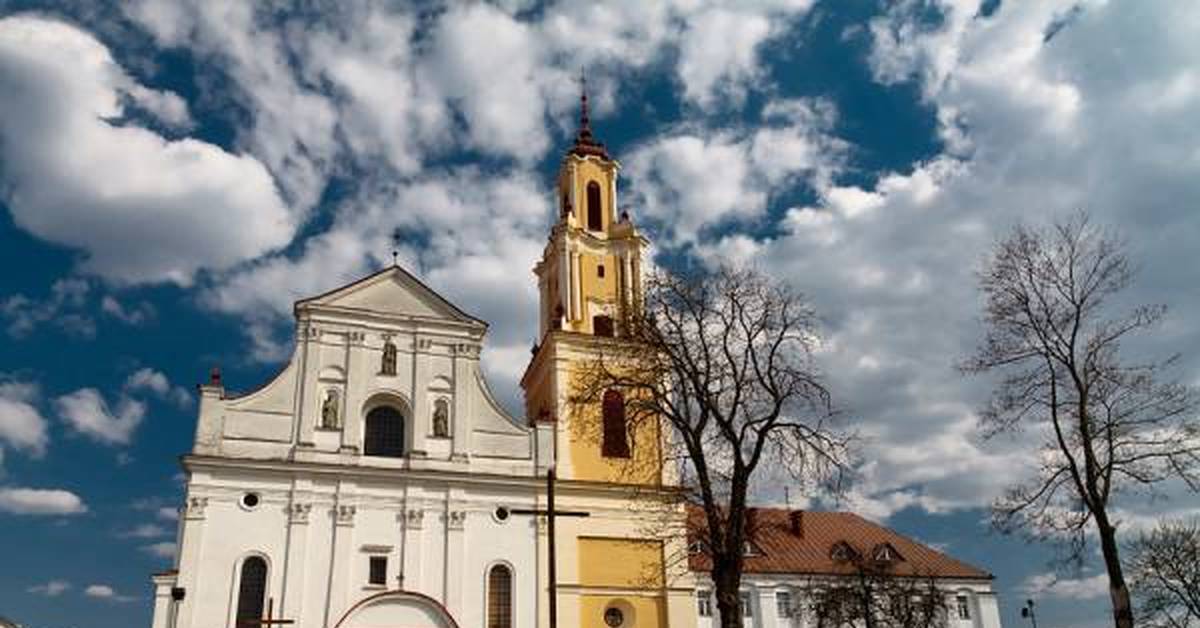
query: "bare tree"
872, 593
724, 360
1164, 567
1111, 425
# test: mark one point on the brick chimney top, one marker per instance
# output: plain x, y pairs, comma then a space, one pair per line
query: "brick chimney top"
796, 518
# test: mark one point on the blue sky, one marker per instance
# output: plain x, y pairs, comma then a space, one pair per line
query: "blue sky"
174, 174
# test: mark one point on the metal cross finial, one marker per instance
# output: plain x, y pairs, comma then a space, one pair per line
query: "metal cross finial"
395, 257
584, 119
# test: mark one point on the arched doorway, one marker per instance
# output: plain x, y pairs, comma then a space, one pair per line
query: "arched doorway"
402, 609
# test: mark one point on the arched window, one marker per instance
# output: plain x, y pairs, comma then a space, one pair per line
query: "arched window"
385, 433
615, 443
595, 216
499, 594
252, 589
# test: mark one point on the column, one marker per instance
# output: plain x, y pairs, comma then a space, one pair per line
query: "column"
306, 399
358, 370
163, 606
576, 287
466, 365
456, 519
564, 282
189, 563
341, 559
295, 567
418, 423
414, 517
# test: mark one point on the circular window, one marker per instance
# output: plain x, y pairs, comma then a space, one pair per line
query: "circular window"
501, 514
614, 617
250, 500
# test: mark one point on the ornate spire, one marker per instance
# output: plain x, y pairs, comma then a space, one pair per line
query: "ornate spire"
585, 142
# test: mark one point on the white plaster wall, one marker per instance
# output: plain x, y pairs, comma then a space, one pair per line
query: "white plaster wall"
330, 574
762, 588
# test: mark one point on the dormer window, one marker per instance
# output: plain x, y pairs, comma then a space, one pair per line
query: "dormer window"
748, 549
696, 547
884, 553
842, 552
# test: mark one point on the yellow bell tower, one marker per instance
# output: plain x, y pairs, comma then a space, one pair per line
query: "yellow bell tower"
616, 567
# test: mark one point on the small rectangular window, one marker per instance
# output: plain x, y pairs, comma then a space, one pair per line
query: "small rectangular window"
747, 607
600, 271
378, 573
783, 603
703, 604
964, 607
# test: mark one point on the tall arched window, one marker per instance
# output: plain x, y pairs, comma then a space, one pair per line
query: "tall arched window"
499, 594
595, 216
252, 589
384, 433
615, 443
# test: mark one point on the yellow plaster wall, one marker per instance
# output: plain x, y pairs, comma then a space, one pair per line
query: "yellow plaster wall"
628, 563
586, 171
644, 466
648, 612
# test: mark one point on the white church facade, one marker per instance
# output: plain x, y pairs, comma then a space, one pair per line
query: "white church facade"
375, 482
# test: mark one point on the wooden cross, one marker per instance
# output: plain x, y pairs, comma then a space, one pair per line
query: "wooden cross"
267, 621
551, 513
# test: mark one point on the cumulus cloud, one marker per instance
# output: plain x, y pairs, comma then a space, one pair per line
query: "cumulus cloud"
86, 412
33, 501
693, 178
54, 588
76, 173
22, 426
150, 380
144, 531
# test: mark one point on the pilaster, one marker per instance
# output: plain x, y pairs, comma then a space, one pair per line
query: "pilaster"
309, 338
194, 520
295, 569
356, 390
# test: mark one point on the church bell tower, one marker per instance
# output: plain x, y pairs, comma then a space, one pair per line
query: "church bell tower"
590, 272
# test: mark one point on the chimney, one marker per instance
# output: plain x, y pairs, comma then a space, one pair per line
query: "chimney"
796, 518
214, 376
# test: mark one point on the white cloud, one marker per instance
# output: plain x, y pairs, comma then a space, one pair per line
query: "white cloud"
148, 379
165, 549
32, 501
167, 514
87, 413
21, 424
54, 588
1077, 589
693, 178
75, 176
61, 307
144, 531
130, 315
105, 592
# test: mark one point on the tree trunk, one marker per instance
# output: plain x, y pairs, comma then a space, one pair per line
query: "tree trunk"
1117, 589
727, 582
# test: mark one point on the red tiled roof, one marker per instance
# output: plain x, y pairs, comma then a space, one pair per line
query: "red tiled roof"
780, 551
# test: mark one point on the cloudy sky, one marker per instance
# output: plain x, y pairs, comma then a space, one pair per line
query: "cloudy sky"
175, 173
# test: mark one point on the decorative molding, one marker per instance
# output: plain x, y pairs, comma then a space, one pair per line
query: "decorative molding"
456, 519
298, 512
344, 514
356, 337
414, 518
376, 549
194, 507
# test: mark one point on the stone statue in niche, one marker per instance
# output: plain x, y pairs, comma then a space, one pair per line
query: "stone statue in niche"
330, 417
388, 365
441, 419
